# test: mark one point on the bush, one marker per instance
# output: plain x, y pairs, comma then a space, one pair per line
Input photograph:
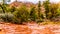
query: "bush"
47, 8
33, 15
22, 14
54, 11
6, 17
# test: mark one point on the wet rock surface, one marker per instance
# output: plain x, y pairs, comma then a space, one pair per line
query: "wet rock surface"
29, 29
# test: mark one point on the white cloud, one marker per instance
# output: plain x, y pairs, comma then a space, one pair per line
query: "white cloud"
55, 1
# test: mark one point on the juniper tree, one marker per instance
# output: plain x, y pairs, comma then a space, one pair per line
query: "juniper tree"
47, 8
33, 14
39, 12
39, 9
54, 11
22, 14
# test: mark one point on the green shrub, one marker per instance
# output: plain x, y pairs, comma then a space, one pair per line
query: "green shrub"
47, 8
6, 17
22, 14
33, 15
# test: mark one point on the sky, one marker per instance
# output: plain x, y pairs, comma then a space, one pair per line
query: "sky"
35, 1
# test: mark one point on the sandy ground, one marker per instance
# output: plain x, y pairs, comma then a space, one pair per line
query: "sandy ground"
29, 29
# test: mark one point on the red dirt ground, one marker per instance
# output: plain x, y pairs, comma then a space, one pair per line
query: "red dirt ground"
29, 29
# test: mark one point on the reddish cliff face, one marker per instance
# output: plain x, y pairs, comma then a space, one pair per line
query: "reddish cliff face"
16, 4
19, 4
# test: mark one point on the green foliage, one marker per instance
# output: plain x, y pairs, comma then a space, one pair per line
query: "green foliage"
12, 9
40, 15
7, 17
58, 11
51, 9
33, 15
22, 14
54, 11
47, 8
39, 9
3, 8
